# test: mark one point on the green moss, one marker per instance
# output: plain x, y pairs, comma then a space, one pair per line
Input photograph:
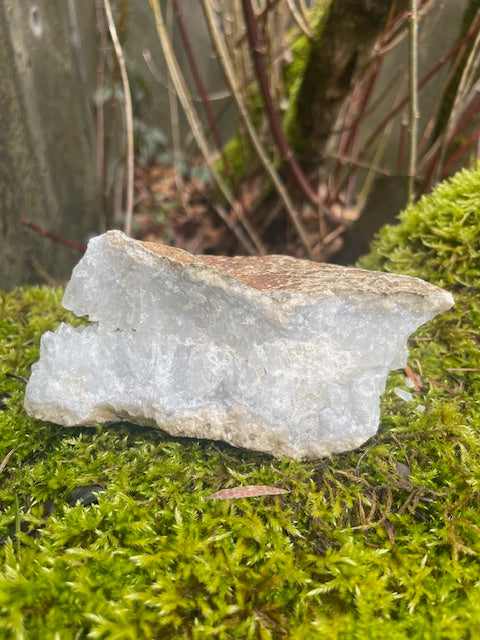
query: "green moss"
361, 547
239, 154
437, 238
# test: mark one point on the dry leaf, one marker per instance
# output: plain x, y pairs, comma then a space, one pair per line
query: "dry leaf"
403, 470
250, 491
415, 378
4, 462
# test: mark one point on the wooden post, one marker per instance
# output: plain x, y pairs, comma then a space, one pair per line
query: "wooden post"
48, 173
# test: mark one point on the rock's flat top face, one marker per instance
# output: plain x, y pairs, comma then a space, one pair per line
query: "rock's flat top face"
284, 273
272, 353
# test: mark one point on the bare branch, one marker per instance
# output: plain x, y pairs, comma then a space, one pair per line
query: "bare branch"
474, 29
299, 19
256, 48
100, 109
414, 112
71, 244
229, 72
128, 115
198, 133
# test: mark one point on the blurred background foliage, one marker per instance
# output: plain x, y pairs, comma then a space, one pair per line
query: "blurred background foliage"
293, 137
256, 126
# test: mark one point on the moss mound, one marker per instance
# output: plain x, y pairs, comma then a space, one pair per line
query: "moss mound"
106, 533
438, 238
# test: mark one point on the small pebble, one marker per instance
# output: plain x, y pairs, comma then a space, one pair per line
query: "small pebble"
403, 395
84, 495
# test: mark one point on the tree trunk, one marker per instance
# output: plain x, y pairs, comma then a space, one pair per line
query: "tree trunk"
340, 52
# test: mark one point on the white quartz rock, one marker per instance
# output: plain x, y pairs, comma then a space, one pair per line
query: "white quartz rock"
275, 354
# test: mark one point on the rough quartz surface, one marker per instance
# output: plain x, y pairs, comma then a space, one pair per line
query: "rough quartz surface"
272, 353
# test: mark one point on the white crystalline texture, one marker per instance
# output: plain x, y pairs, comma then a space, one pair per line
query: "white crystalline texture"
270, 353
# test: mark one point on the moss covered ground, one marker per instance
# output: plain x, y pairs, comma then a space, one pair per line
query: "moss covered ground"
380, 542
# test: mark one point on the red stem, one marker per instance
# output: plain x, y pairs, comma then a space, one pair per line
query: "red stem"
257, 51
466, 118
260, 17
426, 78
443, 60
212, 120
358, 105
458, 154
398, 21
470, 112
76, 246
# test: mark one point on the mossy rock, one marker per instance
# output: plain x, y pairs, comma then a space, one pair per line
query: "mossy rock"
380, 542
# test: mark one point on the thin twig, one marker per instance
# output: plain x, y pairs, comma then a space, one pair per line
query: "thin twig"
304, 11
42, 272
359, 108
432, 160
71, 244
242, 64
375, 162
440, 97
426, 78
454, 158
275, 33
164, 82
356, 112
469, 75
17, 377
330, 237
100, 109
197, 78
257, 48
402, 141
396, 33
351, 160
198, 133
299, 19
261, 17
414, 112
361, 99
211, 118
174, 116
128, 115
257, 145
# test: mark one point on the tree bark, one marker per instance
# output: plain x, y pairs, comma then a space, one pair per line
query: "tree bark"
339, 54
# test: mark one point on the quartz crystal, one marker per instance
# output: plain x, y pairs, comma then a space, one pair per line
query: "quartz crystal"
271, 353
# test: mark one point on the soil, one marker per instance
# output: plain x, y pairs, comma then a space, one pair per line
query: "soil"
175, 211
186, 212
